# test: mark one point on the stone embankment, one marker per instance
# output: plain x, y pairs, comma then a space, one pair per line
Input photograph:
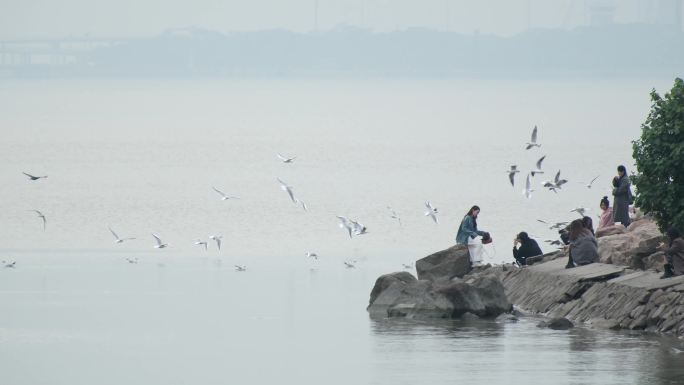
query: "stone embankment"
624, 291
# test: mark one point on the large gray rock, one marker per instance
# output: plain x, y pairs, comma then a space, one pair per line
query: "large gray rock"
396, 295
449, 263
385, 281
630, 248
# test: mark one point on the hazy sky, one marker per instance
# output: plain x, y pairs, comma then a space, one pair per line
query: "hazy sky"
58, 18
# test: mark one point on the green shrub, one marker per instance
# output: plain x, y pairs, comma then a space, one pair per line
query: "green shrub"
659, 156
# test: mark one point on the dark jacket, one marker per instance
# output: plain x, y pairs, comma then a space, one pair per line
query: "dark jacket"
530, 248
675, 256
623, 195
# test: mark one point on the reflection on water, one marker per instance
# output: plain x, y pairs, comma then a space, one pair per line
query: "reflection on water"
486, 351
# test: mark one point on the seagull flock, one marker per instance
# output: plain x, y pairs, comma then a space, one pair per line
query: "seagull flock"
353, 227
552, 185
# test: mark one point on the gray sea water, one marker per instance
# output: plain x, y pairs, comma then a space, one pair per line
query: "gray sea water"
141, 156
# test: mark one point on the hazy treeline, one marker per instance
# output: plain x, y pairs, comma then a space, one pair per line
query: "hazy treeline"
621, 50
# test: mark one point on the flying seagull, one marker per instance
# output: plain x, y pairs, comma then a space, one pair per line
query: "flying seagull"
431, 212
556, 184
33, 177
240, 268
588, 185
160, 244
288, 189
9, 265
312, 255
217, 239
349, 265
527, 191
539, 165
132, 260
580, 211
116, 237
511, 174
41, 216
533, 140
224, 196
558, 225
553, 242
200, 242
285, 159
406, 265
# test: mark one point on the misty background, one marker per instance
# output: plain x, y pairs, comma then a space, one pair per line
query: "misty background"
526, 38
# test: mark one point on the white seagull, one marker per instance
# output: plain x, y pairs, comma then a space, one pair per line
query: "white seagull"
558, 225
527, 191
217, 239
406, 265
556, 184
160, 244
224, 196
511, 174
533, 140
539, 165
285, 159
312, 255
240, 268
116, 237
288, 189
200, 242
580, 211
41, 216
431, 212
349, 265
132, 260
588, 185
33, 177
9, 265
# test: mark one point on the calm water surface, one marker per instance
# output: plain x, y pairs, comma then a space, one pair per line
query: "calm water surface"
141, 156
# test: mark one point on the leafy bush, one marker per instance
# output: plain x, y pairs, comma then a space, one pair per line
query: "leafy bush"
659, 155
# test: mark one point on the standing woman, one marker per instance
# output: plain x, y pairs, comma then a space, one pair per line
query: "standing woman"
623, 196
467, 233
606, 218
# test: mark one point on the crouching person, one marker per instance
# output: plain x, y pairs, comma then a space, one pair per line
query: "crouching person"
528, 248
674, 253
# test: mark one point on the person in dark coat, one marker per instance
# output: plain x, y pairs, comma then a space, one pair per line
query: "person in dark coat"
623, 196
674, 253
528, 248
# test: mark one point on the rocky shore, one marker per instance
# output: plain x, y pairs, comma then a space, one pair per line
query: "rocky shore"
624, 291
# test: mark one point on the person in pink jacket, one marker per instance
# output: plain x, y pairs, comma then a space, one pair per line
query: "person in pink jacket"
606, 214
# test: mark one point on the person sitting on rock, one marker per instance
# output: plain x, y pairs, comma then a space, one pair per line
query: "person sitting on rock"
606, 218
528, 248
467, 232
674, 254
583, 246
